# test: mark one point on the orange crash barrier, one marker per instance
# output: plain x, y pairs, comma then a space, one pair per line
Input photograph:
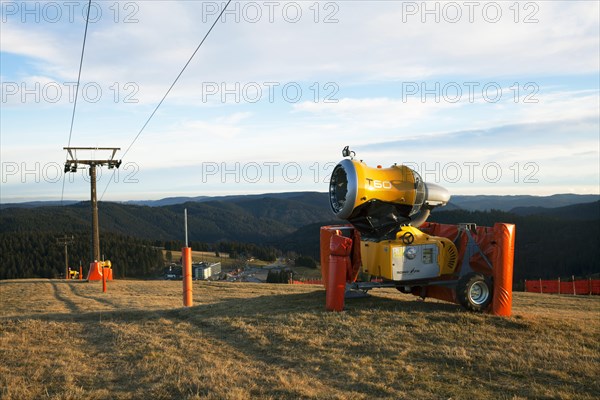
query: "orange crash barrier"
96, 271
497, 244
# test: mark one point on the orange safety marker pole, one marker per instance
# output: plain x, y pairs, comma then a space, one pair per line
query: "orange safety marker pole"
104, 279
80, 272
186, 260
186, 266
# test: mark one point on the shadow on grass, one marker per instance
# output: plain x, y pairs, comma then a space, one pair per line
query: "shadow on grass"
258, 306
77, 292
288, 354
215, 321
63, 299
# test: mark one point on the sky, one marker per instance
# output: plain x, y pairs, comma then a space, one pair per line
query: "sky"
480, 97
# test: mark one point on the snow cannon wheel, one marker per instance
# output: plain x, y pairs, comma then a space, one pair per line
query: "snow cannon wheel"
474, 292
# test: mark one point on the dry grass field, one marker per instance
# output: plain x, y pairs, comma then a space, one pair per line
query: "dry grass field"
68, 340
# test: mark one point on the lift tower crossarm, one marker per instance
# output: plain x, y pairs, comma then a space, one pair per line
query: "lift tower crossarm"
72, 164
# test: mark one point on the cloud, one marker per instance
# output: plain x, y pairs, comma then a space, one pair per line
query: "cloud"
371, 113
31, 43
492, 140
531, 155
372, 49
369, 41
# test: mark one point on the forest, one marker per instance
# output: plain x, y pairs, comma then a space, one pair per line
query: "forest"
550, 242
39, 255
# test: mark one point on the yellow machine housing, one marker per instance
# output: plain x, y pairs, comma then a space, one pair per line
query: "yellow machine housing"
413, 255
359, 184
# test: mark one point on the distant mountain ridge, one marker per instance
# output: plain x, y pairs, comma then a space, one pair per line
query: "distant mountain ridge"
507, 203
179, 200
465, 202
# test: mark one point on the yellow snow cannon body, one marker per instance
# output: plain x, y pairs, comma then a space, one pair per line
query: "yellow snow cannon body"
387, 205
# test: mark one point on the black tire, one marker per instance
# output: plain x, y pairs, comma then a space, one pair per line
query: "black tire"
474, 292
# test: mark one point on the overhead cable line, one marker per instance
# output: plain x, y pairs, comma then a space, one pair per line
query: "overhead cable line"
168, 91
87, 20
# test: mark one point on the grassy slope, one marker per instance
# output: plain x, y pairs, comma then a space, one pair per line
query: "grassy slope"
68, 340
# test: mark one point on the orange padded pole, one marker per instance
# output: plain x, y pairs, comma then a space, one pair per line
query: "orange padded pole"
504, 234
186, 264
326, 233
336, 283
325, 237
340, 248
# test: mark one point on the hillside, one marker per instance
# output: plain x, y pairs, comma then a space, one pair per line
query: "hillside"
247, 219
69, 340
542, 242
289, 223
581, 212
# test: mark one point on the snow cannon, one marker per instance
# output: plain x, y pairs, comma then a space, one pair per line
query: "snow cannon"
377, 201
393, 245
